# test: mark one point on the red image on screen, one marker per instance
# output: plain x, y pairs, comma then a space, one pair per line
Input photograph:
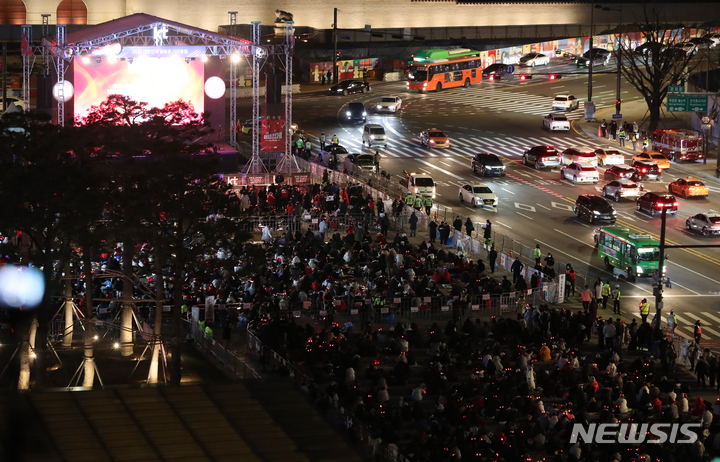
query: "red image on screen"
155, 81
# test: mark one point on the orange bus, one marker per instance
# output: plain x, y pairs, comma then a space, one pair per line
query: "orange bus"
439, 69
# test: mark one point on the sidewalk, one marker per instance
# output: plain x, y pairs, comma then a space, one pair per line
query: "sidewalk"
635, 111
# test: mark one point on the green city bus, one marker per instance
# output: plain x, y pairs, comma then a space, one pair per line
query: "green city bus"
633, 252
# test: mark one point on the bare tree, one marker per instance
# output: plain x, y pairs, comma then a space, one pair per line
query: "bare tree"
655, 64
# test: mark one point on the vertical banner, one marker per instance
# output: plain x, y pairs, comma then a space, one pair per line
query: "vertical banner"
561, 288
273, 134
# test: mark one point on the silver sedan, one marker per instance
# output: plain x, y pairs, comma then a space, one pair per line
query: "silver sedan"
621, 188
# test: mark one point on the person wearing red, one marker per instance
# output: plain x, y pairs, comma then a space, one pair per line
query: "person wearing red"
271, 199
290, 209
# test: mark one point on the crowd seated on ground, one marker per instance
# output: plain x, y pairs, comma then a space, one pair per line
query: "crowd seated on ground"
505, 389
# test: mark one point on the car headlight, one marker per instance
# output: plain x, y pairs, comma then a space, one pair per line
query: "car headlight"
364, 113
416, 190
379, 107
347, 113
595, 212
372, 137
614, 212
425, 84
487, 167
639, 269
503, 167
339, 90
432, 142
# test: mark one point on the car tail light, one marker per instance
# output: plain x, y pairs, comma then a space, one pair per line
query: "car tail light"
492, 77
542, 159
644, 170
675, 204
659, 170
659, 205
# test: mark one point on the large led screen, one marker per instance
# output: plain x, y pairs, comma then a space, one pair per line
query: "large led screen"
155, 81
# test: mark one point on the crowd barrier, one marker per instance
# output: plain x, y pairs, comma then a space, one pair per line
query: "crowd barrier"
356, 429
231, 362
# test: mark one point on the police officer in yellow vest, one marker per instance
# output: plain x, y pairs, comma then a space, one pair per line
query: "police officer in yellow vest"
605, 291
299, 146
671, 323
335, 140
378, 305
615, 296
418, 202
644, 310
322, 141
409, 199
308, 147
428, 204
537, 254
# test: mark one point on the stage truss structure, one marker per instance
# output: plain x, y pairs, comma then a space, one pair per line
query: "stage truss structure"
62, 53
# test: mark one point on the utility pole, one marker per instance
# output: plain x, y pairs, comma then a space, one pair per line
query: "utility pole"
590, 53
335, 66
658, 289
619, 63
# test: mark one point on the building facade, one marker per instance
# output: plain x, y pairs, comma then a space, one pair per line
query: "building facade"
318, 14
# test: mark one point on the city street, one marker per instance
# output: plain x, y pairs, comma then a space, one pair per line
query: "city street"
535, 207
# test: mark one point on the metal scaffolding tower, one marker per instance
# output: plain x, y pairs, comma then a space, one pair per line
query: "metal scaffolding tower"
28, 61
233, 86
259, 54
60, 65
288, 161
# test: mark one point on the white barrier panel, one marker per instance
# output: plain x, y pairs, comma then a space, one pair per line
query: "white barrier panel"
246, 92
392, 76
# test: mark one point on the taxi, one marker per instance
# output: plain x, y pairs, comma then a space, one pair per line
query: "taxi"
654, 157
688, 187
434, 138
609, 156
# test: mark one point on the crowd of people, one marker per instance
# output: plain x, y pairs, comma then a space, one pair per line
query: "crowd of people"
624, 131
505, 389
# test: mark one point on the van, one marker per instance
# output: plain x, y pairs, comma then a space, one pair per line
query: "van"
356, 111
374, 134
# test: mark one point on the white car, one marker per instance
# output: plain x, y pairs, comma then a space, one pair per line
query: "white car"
389, 104
706, 223
565, 103
714, 37
609, 156
478, 194
555, 122
535, 59
579, 155
580, 173
621, 188
374, 134
16, 101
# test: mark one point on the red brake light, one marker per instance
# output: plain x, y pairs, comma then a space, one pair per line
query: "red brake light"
675, 204
492, 77
659, 170
542, 159
552, 77
644, 170
659, 205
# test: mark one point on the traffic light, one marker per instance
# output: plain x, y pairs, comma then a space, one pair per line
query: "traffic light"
338, 54
555, 76
525, 77
617, 106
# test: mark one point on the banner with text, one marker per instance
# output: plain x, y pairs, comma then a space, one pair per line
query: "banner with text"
273, 134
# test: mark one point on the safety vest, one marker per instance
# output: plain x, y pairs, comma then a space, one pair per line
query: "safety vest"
537, 253
335, 140
308, 145
299, 143
621, 133
184, 308
616, 294
606, 290
409, 199
672, 318
418, 202
208, 332
428, 201
645, 142
645, 308
322, 138
378, 301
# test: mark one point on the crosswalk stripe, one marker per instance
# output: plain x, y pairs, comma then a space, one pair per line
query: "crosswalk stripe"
461, 142
714, 318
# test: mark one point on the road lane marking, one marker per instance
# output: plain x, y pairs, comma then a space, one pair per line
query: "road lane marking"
540, 205
507, 190
524, 215
714, 318
502, 224
694, 272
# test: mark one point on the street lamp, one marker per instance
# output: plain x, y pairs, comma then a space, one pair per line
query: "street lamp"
590, 51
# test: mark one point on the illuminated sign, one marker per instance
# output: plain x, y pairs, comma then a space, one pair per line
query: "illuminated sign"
160, 34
